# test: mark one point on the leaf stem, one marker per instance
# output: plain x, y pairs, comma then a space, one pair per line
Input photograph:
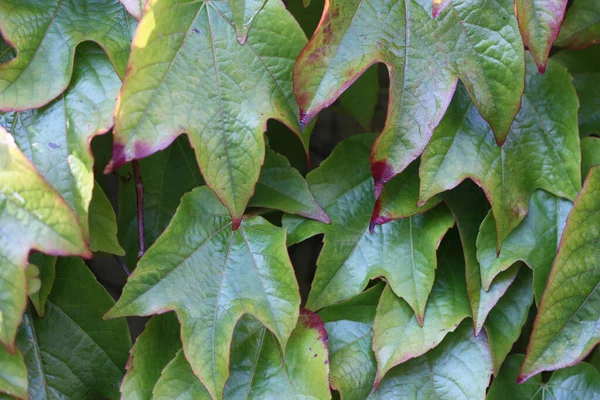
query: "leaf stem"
139, 191
122, 264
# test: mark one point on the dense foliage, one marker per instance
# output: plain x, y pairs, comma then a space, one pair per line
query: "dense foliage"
460, 253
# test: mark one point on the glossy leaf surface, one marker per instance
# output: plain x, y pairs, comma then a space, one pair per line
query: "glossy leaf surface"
32, 216
541, 151
398, 336
349, 328
134, 7
507, 318
425, 58
103, 224
462, 359
188, 74
45, 35
584, 66
581, 27
259, 370
72, 352
402, 251
534, 242
212, 278
153, 350
567, 326
581, 381
56, 138
469, 206
539, 21
282, 187
244, 12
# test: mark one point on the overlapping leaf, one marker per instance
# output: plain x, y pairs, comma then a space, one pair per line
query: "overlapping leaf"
398, 336
134, 7
539, 21
167, 175
534, 242
475, 41
581, 27
581, 381
32, 216
402, 251
349, 327
72, 352
541, 151
153, 350
259, 370
469, 206
103, 224
45, 34
210, 276
282, 187
567, 326
56, 138
507, 318
47, 268
188, 74
462, 359
584, 66
590, 154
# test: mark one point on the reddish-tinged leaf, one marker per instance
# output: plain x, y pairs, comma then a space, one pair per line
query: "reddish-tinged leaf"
475, 41
541, 151
32, 216
211, 276
567, 326
45, 34
188, 74
539, 21
581, 27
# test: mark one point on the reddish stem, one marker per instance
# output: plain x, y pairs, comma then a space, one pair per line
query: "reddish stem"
139, 191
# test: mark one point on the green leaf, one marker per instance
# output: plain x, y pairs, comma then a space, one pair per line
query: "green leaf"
400, 197
507, 318
459, 368
567, 326
211, 278
469, 206
349, 329
259, 370
581, 27
590, 154
539, 21
351, 255
398, 336
153, 350
42, 68
47, 267
178, 381
13, 374
361, 98
244, 12
476, 41
541, 151
103, 224
56, 138
72, 352
134, 7
188, 74
534, 242
167, 175
581, 381
282, 187
584, 66
32, 216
